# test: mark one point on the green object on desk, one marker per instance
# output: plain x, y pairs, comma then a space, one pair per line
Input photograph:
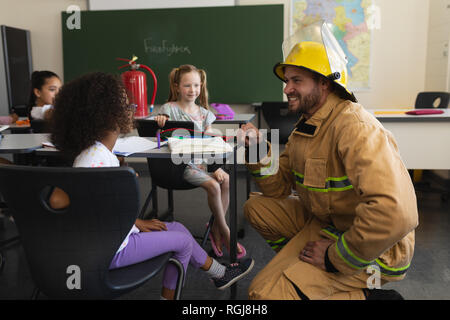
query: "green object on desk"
236, 45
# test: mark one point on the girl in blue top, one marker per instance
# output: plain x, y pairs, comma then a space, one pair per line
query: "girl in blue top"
188, 86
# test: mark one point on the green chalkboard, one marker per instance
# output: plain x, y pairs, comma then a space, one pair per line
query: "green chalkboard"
237, 46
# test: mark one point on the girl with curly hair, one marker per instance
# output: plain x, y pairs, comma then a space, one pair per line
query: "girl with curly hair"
89, 115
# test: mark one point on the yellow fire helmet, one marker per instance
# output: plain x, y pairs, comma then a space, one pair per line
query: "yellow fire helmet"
315, 48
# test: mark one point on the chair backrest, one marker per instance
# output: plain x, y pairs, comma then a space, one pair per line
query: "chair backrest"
104, 203
277, 117
164, 172
148, 128
39, 126
429, 99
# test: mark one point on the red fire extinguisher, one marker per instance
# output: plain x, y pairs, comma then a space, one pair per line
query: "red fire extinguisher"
136, 84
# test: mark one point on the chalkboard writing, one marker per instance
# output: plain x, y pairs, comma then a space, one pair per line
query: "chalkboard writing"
165, 47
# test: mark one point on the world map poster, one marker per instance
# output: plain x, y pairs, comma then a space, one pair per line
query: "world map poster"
353, 21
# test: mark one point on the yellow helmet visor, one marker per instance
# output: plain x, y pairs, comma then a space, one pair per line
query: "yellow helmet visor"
315, 48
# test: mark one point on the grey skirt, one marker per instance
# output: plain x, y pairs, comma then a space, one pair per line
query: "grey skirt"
196, 174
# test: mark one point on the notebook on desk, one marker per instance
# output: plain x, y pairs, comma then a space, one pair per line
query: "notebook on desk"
185, 146
129, 145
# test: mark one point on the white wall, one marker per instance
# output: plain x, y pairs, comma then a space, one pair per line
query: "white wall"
398, 48
398, 54
43, 19
153, 4
438, 56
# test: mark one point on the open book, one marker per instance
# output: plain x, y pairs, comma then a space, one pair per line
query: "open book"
192, 145
129, 145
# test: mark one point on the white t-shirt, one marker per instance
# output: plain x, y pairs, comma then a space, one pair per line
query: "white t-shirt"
39, 112
97, 156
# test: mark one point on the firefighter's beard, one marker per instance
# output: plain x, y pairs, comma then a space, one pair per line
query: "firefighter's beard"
299, 104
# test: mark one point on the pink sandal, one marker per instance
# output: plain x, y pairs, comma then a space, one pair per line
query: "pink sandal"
213, 245
220, 254
239, 255
243, 253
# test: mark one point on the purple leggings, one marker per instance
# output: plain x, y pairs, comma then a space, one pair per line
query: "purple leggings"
145, 245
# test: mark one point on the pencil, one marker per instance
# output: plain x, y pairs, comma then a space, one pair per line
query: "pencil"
390, 112
158, 138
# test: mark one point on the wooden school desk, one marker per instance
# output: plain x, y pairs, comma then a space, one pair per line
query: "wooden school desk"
423, 140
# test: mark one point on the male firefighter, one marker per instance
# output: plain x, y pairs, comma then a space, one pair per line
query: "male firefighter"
352, 215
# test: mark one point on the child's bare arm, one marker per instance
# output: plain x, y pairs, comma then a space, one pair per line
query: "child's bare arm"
59, 199
161, 119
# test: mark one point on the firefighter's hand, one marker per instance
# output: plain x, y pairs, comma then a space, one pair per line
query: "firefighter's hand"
249, 135
161, 120
314, 253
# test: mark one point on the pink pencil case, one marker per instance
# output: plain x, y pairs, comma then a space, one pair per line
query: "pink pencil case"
424, 111
223, 111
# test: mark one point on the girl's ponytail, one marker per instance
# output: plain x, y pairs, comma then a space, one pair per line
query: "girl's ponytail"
174, 80
203, 97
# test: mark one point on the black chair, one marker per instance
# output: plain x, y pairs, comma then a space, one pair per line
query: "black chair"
5, 243
104, 204
39, 126
425, 100
164, 173
277, 117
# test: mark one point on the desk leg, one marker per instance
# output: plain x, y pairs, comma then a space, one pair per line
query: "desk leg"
248, 181
147, 202
258, 110
233, 218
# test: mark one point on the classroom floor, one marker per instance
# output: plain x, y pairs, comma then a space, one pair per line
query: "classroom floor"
428, 278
